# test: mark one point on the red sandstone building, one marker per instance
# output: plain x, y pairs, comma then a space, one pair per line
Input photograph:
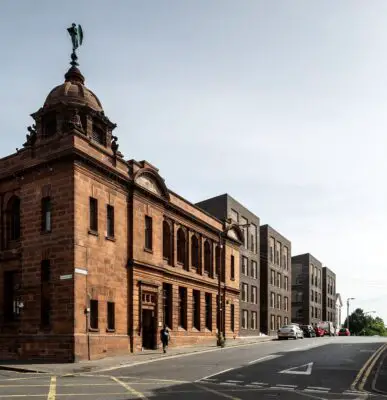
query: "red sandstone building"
96, 252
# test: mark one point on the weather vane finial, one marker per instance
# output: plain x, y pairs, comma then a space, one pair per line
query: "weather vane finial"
76, 35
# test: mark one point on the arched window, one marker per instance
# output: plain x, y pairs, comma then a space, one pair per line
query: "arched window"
195, 252
13, 218
217, 259
207, 257
181, 246
167, 242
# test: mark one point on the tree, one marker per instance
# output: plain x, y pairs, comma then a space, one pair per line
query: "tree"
363, 324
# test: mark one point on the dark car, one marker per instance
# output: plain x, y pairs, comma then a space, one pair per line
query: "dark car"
319, 332
308, 331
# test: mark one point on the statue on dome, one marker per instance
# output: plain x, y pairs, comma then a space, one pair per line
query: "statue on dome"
76, 34
31, 137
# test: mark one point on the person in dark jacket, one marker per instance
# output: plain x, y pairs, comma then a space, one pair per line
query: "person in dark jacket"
164, 336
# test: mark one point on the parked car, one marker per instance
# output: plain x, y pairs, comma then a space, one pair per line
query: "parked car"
344, 332
290, 331
319, 332
327, 327
308, 331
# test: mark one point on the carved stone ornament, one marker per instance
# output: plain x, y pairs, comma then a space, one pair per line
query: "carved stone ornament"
148, 183
75, 121
232, 234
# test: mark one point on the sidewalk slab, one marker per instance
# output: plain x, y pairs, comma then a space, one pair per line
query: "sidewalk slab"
124, 360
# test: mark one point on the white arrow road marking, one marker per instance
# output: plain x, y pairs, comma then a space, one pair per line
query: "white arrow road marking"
266, 358
296, 370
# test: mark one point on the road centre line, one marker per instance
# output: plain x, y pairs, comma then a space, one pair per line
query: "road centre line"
269, 357
370, 368
52, 391
318, 388
217, 373
129, 388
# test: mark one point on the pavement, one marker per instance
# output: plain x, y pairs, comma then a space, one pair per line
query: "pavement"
316, 368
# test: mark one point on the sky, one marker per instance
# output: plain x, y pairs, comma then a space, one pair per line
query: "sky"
282, 104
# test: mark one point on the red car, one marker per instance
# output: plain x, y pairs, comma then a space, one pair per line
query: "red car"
319, 332
344, 332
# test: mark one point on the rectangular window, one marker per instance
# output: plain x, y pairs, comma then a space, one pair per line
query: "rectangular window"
245, 292
148, 232
244, 266
272, 250
232, 272
254, 269
254, 299
253, 320
208, 301
234, 216
272, 322
167, 303
245, 316
272, 300
286, 304
45, 311
278, 280
110, 221
286, 283
94, 314
232, 317
93, 217
279, 300
253, 238
286, 320
311, 295
278, 322
272, 277
46, 214
277, 253
196, 309
111, 316
11, 309
243, 221
183, 307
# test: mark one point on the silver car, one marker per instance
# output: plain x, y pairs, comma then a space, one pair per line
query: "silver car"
290, 331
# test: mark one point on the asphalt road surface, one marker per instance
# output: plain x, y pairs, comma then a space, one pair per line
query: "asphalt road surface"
320, 368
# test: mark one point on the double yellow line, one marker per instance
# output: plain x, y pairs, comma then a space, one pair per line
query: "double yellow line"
364, 373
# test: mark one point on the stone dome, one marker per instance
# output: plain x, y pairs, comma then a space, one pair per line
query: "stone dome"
73, 92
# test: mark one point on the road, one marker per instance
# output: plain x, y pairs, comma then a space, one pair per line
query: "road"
320, 368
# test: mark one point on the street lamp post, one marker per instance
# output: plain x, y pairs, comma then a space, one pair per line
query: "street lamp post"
348, 300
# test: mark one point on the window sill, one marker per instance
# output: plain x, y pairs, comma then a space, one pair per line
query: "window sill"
110, 238
96, 330
232, 279
45, 232
91, 232
150, 251
110, 330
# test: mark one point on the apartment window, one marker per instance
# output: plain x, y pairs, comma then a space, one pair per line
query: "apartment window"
167, 303
278, 322
279, 300
272, 322
181, 245
272, 277
254, 298
217, 259
111, 316
279, 280
244, 266
315, 297
286, 303
312, 311
253, 320
207, 257
232, 269
93, 217
286, 283
148, 232
244, 319
286, 320
272, 300
278, 252
243, 221
45, 306
13, 218
232, 317
11, 309
311, 295
318, 313
167, 242
234, 216
245, 290
183, 307
254, 269
271, 249
196, 309
208, 302
94, 314
110, 220
253, 238
46, 214
195, 252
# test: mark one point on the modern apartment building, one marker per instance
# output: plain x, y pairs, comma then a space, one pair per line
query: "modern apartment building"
329, 295
307, 292
275, 267
223, 207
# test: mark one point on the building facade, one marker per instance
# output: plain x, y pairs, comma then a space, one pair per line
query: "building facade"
276, 280
329, 295
339, 306
97, 254
307, 294
223, 207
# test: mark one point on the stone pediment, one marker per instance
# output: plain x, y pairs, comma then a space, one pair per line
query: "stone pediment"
152, 182
148, 183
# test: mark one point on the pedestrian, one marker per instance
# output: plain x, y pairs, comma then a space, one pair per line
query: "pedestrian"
164, 336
